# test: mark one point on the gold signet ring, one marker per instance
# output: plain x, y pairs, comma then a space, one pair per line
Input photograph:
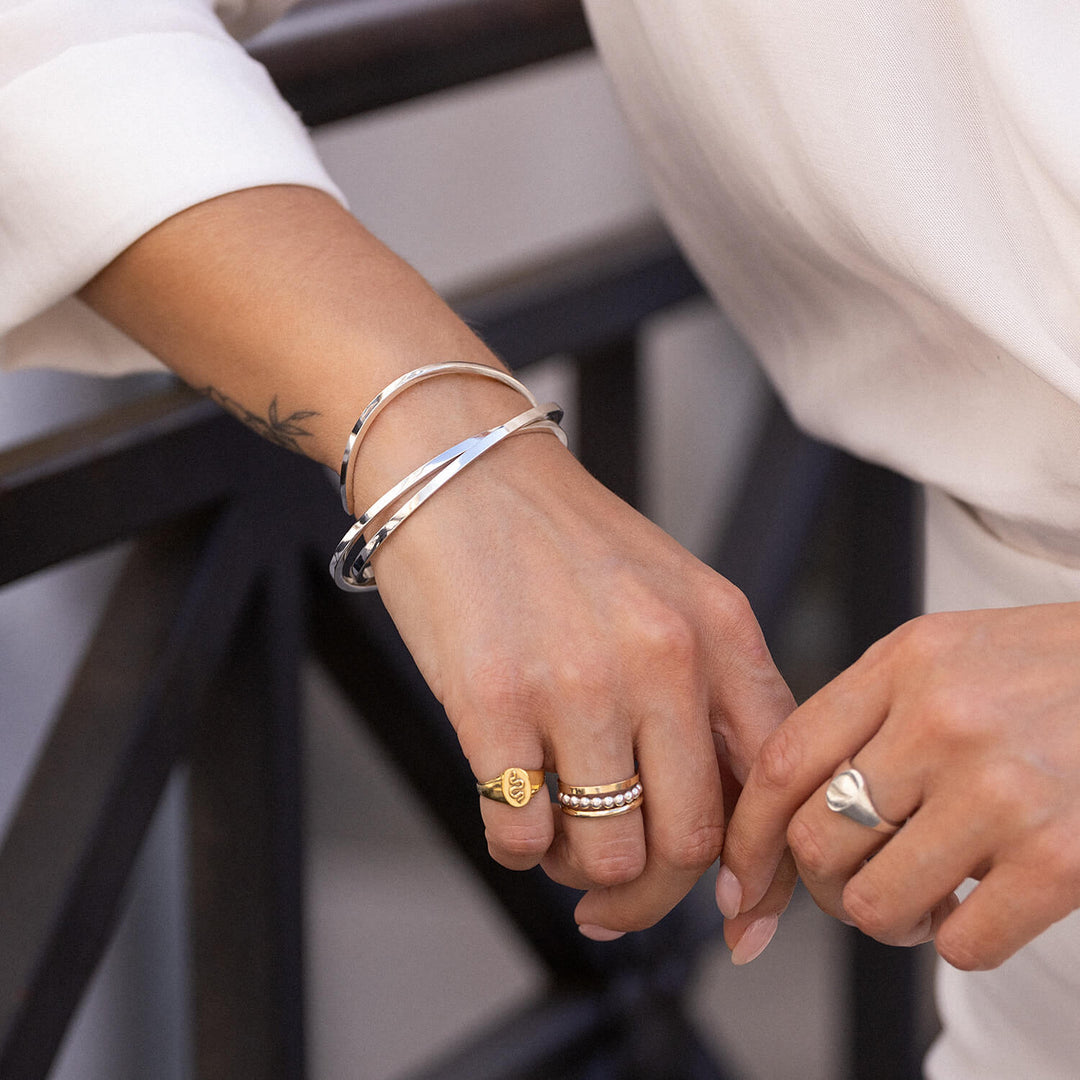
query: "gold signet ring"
513, 786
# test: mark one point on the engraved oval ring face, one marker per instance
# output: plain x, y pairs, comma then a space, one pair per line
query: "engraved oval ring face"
844, 790
516, 787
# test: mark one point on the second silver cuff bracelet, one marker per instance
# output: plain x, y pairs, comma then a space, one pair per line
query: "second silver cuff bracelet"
353, 573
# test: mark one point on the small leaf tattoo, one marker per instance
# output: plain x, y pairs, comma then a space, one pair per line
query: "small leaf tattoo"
281, 430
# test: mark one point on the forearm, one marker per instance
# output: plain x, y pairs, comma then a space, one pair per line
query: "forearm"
278, 303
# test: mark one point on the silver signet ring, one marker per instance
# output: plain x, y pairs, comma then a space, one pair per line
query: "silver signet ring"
848, 795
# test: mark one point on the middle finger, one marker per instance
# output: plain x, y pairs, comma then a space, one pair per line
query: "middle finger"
683, 817
606, 845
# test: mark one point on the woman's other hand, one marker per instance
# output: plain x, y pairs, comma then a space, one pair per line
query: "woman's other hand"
966, 727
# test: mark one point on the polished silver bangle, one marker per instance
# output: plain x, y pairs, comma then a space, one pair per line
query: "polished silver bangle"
354, 573
403, 382
355, 532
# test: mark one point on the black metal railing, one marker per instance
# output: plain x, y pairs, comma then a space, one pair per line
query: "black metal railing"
230, 621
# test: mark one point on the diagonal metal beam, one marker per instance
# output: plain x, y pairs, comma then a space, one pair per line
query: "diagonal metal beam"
609, 408
546, 1038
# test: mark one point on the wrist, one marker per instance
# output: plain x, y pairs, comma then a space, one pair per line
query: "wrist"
422, 419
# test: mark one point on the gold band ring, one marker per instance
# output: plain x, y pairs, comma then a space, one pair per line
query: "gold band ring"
513, 786
603, 800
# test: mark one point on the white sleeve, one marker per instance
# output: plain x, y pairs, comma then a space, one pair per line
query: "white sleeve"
113, 117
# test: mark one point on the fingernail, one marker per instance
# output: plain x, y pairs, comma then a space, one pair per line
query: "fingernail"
728, 893
754, 940
924, 931
600, 933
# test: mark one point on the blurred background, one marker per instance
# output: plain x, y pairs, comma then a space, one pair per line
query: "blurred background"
407, 955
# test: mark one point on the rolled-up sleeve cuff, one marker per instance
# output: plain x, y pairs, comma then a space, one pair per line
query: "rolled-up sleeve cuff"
107, 140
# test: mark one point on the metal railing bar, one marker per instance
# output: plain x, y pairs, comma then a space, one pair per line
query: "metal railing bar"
583, 299
73, 446
777, 508
332, 61
129, 469
610, 417
76, 833
635, 1026
245, 847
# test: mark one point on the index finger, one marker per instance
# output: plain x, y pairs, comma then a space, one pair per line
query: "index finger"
794, 761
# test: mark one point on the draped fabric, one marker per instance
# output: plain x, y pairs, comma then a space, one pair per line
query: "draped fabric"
883, 196
1021, 1019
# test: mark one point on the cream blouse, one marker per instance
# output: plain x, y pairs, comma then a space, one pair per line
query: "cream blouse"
884, 196
115, 115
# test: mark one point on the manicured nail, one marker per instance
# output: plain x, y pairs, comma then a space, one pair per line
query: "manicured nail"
728, 893
600, 933
755, 939
922, 932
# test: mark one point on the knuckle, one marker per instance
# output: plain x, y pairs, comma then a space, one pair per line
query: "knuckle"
919, 644
698, 848
954, 716
1054, 859
666, 638
811, 855
779, 760
865, 907
615, 863
923, 641
957, 947
1011, 808
733, 603
1002, 788
579, 675
740, 624
517, 842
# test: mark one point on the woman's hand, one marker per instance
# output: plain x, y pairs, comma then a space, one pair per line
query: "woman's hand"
564, 631
966, 727
560, 628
